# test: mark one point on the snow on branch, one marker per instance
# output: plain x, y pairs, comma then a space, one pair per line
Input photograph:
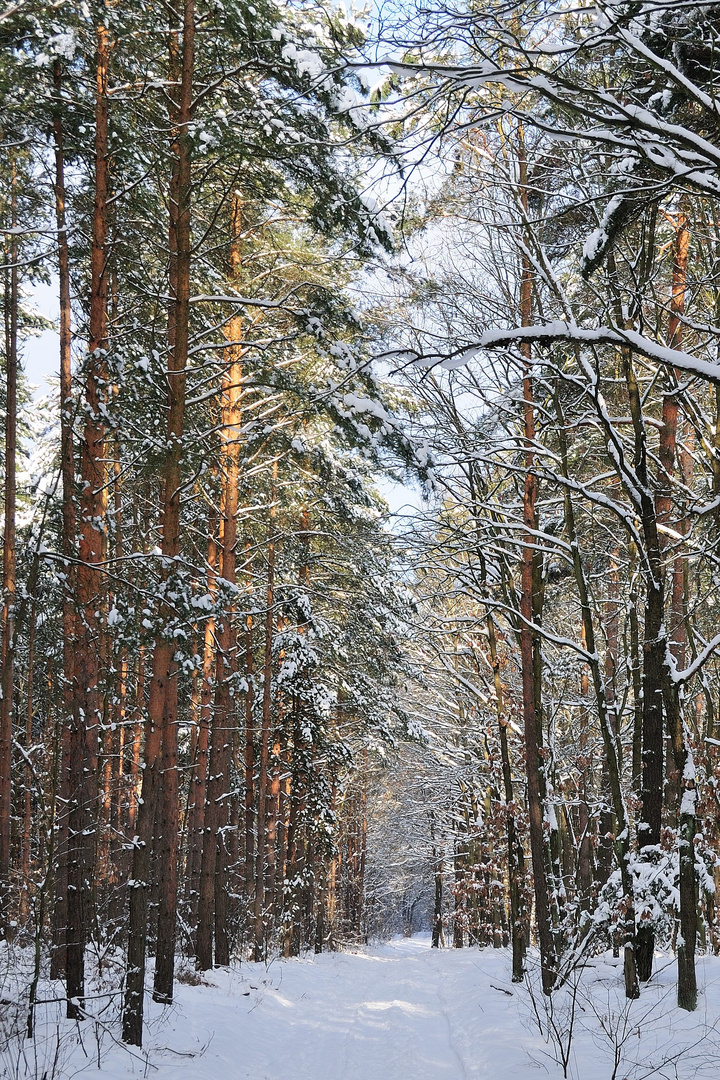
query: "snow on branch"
680, 677
602, 335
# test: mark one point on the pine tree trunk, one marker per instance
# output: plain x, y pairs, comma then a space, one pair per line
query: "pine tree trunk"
249, 762
363, 846
84, 762
212, 877
7, 612
260, 841
271, 828
212, 907
198, 780
162, 700
28, 786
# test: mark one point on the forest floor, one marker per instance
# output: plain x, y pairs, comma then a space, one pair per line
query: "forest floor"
396, 1011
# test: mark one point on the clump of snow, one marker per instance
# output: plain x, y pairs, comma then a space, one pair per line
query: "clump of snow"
598, 239
595, 241
306, 61
687, 806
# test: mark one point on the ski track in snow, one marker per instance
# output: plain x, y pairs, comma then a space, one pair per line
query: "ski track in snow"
398, 1011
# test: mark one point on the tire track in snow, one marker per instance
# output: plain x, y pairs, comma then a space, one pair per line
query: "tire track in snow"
444, 1006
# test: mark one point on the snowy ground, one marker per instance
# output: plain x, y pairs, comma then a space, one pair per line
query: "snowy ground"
399, 1011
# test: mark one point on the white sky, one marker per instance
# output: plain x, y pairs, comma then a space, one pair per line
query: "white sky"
41, 355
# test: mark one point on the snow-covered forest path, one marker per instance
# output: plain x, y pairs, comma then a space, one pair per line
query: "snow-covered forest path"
397, 1011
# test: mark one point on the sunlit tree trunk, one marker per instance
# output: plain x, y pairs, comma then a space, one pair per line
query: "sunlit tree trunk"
161, 731
212, 908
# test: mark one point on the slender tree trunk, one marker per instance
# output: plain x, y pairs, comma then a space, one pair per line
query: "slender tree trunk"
585, 848
363, 846
533, 733
636, 669
652, 677
459, 864
607, 825
136, 742
515, 853
437, 927
212, 874
683, 783
684, 766
7, 612
162, 700
260, 842
609, 737
249, 761
198, 780
167, 844
87, 718
27, 793
320, 910
226, 708
271, 827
